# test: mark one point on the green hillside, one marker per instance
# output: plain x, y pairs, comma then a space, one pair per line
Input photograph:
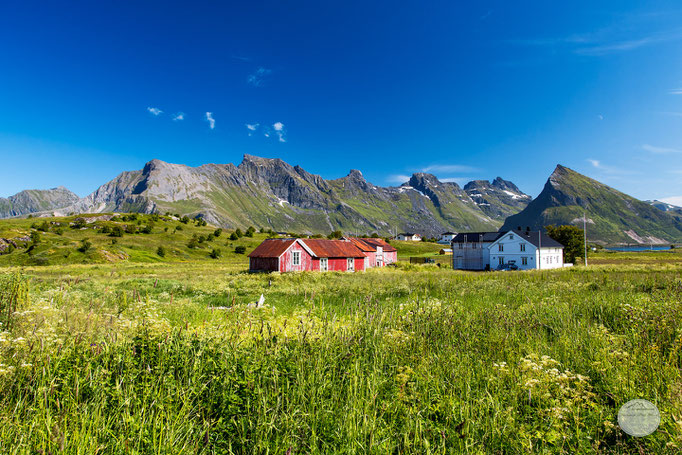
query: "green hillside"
612, 216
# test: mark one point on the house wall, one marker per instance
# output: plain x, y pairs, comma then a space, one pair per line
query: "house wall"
286, 260
371, 259
470, 258
264, 264
390, 257
550, 258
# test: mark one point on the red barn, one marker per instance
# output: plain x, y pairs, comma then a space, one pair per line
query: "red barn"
289, 255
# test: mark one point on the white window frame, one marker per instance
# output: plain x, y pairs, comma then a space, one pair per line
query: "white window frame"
350, 264
524, 260
324, 264
500, 247
295, 258
500, 259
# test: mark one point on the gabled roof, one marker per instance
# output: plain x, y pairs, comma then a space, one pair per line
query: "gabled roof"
449, 233
361, 244
477, 237
323, 248
533, 238
375, 242
271, 248
407, 234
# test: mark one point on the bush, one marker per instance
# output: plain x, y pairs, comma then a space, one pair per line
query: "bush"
78, 223
147, 229
250, 231
44, 226
239, 233
240, 249
105, 229
217, 232
335, 235
131, 229
184, 219
85, 246
59, 231
215, 253
161, 251
234, 236
194, 242
209, 238
116, 231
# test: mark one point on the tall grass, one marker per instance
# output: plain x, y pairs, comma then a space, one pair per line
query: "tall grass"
419, 360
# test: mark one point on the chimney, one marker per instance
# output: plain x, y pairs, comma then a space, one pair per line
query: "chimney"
518, 228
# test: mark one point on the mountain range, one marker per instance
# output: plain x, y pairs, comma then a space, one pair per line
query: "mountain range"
269, 193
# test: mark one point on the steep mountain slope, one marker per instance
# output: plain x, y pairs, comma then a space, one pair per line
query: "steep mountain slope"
498, 199
273, 194
612, 216
665, 206
31, 201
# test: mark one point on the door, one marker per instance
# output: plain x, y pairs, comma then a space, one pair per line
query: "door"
324, 264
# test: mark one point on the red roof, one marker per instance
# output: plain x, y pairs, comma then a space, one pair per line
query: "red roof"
323, 248
361, 245
375, 242
271, 248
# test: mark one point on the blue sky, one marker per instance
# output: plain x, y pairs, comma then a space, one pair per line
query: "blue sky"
461, 89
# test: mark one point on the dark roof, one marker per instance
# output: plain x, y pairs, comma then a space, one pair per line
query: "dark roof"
375, 242
448, 233
477, 237
532, 237
323, 248
407, 234
271, 248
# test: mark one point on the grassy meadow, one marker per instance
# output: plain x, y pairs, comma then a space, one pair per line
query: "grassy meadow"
171, 355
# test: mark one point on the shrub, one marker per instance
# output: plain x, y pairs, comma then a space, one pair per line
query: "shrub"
209, 238
215, 253
85, 246
241, 249
335, 235
201, 239
234, 236
105, 229
239, 233
116, 231
161, 251
147, 229
194, 242
178, 227
217, 232
184, 219
78, 223
131, 229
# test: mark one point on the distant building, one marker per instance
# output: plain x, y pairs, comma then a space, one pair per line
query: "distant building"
489, 250
445, 251
446, 237
409, 237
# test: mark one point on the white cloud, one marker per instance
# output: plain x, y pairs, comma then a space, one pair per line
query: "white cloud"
155, 111
676, 91
258, 77
674, 200
398, 178
595, 163
279, 131
609, 170
179, 116
210, 120
660, 150
252, 127
600, 117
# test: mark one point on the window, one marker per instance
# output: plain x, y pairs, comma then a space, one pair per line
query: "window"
524, 260
296, 258
324, 264
500, 260
511, 237
380, 250
500, 247
473, 245
523, 247
460, 246
350, 262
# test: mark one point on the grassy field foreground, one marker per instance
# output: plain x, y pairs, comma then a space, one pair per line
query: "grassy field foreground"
171, 358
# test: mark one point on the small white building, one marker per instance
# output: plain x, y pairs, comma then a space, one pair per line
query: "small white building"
490, 250
447, 237
409, 237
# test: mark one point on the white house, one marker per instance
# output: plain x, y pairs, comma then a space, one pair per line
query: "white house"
489, 250
410, 237
447, 237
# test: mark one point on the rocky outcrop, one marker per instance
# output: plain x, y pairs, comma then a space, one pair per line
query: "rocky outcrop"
32, 201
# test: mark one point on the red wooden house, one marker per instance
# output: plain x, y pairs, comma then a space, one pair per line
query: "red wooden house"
289, 255
378, 252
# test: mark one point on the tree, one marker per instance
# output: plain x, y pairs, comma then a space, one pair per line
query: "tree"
241, 249
239, 233
250, 231
184, 219
374, 235
335, 235
215, 253
217, 232
161, 251
234, 236
571, 237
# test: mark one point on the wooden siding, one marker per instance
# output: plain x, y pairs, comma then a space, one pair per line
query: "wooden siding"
286, 263
264, 264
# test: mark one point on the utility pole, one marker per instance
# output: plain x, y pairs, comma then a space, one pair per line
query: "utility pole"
585, 235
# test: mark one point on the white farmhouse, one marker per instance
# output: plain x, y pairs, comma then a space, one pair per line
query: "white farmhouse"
410, 237
447, 237
490, 250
